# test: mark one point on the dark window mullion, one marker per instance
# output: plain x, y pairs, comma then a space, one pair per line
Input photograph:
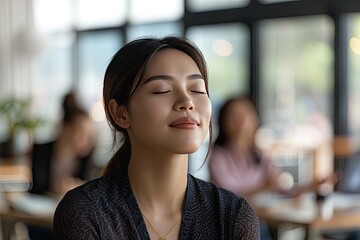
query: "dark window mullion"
341, 77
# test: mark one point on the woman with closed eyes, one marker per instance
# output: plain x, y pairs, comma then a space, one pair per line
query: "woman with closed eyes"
156, 99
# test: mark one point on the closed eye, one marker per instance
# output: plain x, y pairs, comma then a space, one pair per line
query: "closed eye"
200, 92
162, 92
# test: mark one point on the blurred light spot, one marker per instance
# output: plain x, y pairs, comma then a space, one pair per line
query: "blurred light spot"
355, 45
222, 47
286, 180
97, 112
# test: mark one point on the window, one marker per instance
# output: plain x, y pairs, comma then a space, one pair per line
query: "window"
95, 50
144, 11
205, 5
52, 80
354, 73
96, 14
154, 30
53, 16
296, 90
296, 75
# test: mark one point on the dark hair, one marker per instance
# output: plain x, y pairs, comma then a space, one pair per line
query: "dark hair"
124, 75
222, 138
71, 108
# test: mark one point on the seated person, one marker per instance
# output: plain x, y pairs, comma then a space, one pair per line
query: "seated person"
61, 165
237, 164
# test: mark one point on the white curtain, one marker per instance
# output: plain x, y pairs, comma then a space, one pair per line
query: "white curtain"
18, 46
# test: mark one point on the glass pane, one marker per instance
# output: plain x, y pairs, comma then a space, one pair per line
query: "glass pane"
296, 68
105, 13
143, 11
204, 5
354, 73
53, 15
225, 48
154, 30
95, 51
52, 79
296, 89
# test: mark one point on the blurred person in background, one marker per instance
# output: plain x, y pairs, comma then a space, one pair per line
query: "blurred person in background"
237, 164
63, 164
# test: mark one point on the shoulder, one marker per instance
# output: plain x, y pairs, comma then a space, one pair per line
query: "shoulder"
85, 212
228, 210
95, 196
92, 191
217, 196
85, 209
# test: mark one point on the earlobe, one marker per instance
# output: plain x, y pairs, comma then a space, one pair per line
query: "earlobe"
119, 114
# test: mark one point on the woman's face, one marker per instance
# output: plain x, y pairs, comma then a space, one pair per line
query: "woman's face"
171, 111
240, 120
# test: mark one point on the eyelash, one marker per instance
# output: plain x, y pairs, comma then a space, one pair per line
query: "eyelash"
193, 91
200, 92
161, 92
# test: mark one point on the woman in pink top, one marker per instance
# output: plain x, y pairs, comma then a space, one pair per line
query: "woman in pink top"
236, 163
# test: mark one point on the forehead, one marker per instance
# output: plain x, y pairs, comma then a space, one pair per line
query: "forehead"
171, 61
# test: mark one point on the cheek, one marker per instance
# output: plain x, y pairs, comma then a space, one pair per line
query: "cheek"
148, 111
205, 110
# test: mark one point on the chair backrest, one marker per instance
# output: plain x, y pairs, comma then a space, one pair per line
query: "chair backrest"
350, 173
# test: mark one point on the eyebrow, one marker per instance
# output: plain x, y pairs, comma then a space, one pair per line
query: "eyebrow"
168, 77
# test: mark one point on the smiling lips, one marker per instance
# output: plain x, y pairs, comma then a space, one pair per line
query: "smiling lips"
185, 123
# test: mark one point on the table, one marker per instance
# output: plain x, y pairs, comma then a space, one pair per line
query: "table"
15, 175
30, 209
15, 215
305, 213
11, 216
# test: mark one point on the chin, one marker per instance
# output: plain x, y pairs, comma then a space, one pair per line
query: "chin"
187, 150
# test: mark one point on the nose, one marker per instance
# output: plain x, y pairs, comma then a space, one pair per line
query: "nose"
184, 105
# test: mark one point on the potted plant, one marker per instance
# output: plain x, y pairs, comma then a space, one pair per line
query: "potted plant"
15, 114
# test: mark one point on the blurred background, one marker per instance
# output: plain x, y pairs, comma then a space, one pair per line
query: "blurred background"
299, 60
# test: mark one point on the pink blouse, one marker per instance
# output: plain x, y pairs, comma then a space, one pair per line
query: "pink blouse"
237, 172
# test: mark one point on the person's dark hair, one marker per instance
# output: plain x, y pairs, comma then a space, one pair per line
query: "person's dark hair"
222, 138
71, 108
125, 74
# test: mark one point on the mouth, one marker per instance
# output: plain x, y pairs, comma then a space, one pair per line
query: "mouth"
185, 123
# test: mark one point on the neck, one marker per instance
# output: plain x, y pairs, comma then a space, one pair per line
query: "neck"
159, 182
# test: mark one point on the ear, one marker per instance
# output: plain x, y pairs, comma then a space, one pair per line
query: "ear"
119, 114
